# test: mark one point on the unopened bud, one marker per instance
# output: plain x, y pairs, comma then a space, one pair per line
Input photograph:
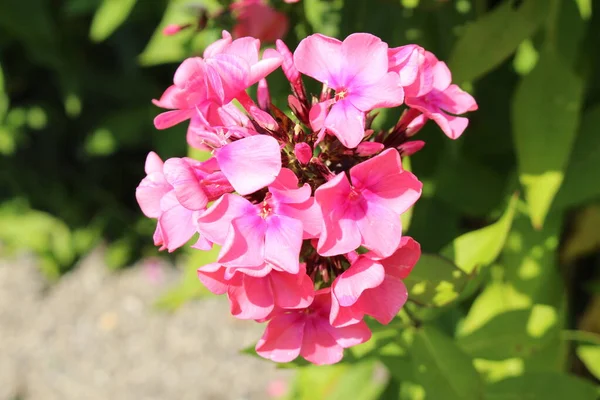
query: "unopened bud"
410, 148
366, 149
172, 29
262, 93
303, 153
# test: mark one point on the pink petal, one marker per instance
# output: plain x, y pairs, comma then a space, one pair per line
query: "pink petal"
188, 70
401, 263
176, 222
188, 189
271, 60
318, 346
442, 77
308, 213
452, 126
218, 46
246, 48
384, 302
455, 100
343, 316
351, 335
212, 276
150, 192
282, 339
362, 275
382, 180
153, 163
285, 188
172, 118
233, 72
215, 222
318, 114
292, 291
406, 61
283, 241
364, 60
347, 123
245, 244
253, 299
251, 163
320, 57
380, 229
386, 92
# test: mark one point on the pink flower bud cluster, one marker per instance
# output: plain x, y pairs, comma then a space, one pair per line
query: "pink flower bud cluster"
305, 206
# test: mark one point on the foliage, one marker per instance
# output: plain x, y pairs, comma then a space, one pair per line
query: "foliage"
496, 297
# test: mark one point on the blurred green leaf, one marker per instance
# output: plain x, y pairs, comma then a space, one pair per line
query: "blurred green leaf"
108, 17
590, 355
487, 42
481, 247
337, 382
435, 281
545, 119
582, 175
324, 16
4, 100
542, 386
444, 371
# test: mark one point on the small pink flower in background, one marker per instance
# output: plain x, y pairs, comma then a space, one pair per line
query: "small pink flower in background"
309, 334
373, 286
291, 200
364, 210
277, 388
357, 69
173, 29
257, 19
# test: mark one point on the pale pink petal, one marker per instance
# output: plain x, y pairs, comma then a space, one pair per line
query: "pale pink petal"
452, 126
150, 192
320, 57
212, 276
318, 114
245, 243
380, 229
309, 213
271, 60
455, 100
283, 241
318, 346
364, 60
406, 61
292, 291
347, 123
251, 163
246, 48
253, 299
215, 222
176, 222
218, 46
362, 275
188, 189
381, 179
351, 335
442, 77
386, 92
282, 339
153, 163
188, 70
233, 72
202, 244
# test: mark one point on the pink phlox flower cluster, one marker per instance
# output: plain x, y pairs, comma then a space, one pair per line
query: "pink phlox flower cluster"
305, 210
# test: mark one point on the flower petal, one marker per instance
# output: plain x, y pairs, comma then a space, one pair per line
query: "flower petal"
362, 275
283, 241
245, 244
347, 123
320, 57
364, 60
215, 222
253, 299
282, 339
318, 346
212, 276
292, 291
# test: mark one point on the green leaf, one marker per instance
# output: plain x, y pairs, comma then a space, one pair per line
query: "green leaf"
324, 16
444, 371
582, 176
590, 355
545, 119
108, 17
435, 281
487, 42
481, 247
542, 386
337, 382
517, 333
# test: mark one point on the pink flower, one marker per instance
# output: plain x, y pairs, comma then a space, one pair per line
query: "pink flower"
373, 286
357, 69
406, 61
309, 334
227, 70
153, 187
255, 292
443, 98
365, 210
257, 19
271, 231
172, 29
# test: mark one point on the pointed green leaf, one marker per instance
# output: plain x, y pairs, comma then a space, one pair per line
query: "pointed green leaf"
481, 247
444, 371
108, 17
545, 117
590, 355
542, 386
487, 42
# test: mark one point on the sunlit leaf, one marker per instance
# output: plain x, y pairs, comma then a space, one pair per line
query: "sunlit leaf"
542, 386
590, 355
108, 17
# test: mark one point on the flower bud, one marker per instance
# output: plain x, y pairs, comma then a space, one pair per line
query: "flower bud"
303, 153
366, 149
410, 148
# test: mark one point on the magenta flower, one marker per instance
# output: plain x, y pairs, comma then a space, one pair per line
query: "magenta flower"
444, 98
373, 286
255, 292
357, 69
309, 334
364, 210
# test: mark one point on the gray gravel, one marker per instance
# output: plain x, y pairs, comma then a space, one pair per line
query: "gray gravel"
96, 335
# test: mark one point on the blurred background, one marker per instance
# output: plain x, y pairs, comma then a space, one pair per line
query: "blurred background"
90, 309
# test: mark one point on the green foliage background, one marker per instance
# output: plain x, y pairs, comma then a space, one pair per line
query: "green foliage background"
503, 304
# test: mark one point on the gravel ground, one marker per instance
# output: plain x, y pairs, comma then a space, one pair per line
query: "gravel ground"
95, 335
